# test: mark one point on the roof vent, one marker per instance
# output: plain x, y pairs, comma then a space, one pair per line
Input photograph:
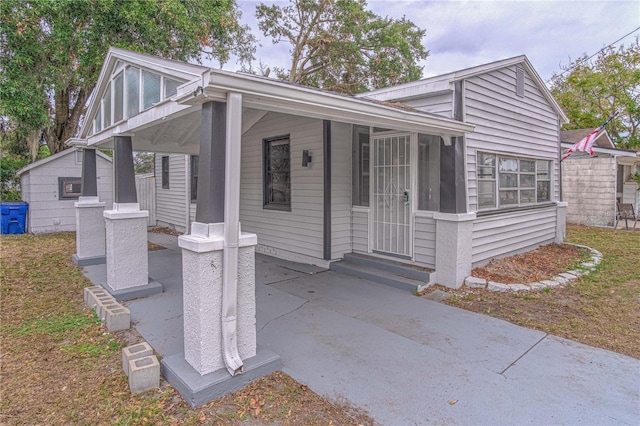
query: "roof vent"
520, 82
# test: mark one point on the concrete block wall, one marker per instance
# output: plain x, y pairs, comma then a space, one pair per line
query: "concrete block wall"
589, 188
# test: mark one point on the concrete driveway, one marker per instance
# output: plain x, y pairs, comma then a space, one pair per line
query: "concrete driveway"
407, 360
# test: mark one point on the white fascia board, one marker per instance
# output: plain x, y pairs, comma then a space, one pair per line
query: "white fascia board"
610, 151
271, 95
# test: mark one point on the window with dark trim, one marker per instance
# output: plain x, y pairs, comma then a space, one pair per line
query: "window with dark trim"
194, 177
277, 173
505, 182
360, 157
69, 188
165, 172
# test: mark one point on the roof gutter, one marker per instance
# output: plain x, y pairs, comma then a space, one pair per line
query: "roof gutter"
260, 93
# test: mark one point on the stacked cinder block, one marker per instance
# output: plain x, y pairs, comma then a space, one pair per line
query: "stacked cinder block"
115, 316
142, 367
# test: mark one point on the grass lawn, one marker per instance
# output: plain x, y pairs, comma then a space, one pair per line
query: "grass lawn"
61, 366
601, 309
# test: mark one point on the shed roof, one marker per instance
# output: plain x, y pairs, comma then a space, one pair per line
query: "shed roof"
54, 157
572, 136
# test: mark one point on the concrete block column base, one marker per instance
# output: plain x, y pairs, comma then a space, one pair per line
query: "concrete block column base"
454, 234
199, 389
90, 232
126, 248
202, 266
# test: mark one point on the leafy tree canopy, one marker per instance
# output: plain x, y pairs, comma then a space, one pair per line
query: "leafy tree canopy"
591, 91
51, 52
340, 45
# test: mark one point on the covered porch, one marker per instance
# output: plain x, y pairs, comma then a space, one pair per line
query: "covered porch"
402, 358
272, 155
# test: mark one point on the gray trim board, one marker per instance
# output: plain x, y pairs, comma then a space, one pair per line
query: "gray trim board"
197, 390
124, 176
154, 287
88, 261
89, 173
452, 179
326, 146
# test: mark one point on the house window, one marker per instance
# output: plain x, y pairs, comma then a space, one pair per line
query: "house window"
131, 90
194, 177
165, 172
277, 173
132, 76
361, 147
150, 89
429, 172
511, 182
69, 188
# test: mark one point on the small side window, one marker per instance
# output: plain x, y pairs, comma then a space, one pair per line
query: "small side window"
165, 172
69, 188
194, 177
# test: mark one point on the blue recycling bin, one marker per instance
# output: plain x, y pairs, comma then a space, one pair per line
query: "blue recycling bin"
14, 217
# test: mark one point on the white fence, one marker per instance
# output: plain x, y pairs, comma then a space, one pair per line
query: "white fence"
146, 190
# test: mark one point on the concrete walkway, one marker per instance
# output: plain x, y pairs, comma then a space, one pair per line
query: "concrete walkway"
407, 360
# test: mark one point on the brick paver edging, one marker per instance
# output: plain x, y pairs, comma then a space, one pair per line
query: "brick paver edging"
584, 269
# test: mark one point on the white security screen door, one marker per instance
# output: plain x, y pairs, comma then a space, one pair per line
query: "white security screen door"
391, 195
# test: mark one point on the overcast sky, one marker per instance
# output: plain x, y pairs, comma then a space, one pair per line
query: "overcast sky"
462, 34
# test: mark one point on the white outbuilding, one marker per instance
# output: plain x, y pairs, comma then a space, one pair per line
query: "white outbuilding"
52, 185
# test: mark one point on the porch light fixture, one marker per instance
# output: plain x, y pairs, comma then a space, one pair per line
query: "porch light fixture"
306, 158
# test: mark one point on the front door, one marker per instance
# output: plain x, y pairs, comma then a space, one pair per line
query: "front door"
391, 195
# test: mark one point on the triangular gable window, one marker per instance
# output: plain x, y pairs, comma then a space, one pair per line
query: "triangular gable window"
130, 91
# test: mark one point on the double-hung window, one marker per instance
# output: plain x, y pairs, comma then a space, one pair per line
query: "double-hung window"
505, 181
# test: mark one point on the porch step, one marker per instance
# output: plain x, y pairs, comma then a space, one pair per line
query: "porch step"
383, 271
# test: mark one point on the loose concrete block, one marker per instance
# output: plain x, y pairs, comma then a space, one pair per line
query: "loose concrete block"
89, 295
497, 286
576, 272
537, 286
474, 282
102, 308
569, 276
519, 287
118, 318
562, 280
141, 350
144, 374
550, 283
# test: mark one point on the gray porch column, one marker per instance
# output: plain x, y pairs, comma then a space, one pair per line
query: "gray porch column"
453, 196
218, 264
90, 225
126, 232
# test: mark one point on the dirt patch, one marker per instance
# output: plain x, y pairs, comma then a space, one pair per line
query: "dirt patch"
165, 230
542, 263
61, 366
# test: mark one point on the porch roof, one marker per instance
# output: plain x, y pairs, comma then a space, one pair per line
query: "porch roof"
173, 124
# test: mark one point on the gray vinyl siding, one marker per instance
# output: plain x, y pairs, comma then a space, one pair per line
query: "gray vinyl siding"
441, 104
508, 124
424, 241
46, 212
340, 189
589, 187
171, 204
295, 234
506, 234
360, 230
